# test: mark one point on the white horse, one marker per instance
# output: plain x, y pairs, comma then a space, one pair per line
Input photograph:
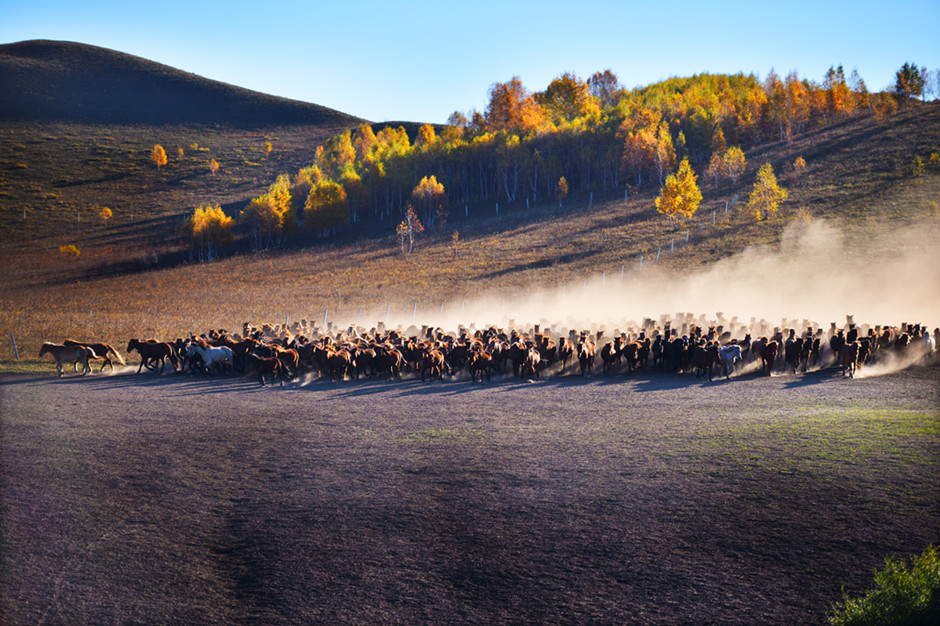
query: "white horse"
729, 355
219, 357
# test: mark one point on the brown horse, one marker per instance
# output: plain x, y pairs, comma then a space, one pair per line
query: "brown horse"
152, 352
101, 351
68, 354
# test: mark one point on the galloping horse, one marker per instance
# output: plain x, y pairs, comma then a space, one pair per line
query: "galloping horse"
218, 356
68, 354
150, 353
101, 352
729, 355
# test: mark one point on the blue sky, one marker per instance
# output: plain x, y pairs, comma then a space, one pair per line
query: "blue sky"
420, 61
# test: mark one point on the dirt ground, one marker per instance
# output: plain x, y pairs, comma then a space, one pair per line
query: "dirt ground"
651, 499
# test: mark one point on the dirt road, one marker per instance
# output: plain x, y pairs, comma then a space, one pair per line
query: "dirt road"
654, 499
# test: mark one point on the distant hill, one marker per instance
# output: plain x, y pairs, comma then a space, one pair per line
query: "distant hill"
65, 81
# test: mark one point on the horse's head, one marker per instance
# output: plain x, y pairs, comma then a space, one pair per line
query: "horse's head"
131, 345
46, 347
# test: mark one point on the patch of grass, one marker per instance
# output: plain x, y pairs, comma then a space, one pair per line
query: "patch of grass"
439, 435
900, 595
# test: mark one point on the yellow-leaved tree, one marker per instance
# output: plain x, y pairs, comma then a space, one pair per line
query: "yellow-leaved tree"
269, 217
680, 195
767, 195
733, 163
158, 156
326, 207
206, 230
561, 190
429, 199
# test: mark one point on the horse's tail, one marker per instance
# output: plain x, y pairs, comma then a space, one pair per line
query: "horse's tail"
116, 354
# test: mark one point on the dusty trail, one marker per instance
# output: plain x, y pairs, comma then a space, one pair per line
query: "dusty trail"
653, 499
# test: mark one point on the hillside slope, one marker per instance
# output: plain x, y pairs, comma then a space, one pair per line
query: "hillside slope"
65, 81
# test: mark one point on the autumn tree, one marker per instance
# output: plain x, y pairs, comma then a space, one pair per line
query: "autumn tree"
363, 140
733, 163
326, 207
884, 105
213, 166
158, 156
105, 214
206, 230
269, 216
561, 190
429, 199
798, 168
719, 143
567, 98
665, 152
604, 86
512, 108
680, 195
715, 169
767, 195
409, 227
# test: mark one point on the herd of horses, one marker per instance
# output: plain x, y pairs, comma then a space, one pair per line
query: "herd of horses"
279, 354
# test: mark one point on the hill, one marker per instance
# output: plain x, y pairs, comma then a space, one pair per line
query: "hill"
132, 276
65, 81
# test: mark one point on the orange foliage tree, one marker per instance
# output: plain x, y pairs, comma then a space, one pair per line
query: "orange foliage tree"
409, 227
158, 156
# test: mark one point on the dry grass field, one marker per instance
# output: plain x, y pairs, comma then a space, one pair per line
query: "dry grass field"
652, 499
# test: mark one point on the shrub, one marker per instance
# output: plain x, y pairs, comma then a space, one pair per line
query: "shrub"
900, 595
934, 161
917, 166
69, 251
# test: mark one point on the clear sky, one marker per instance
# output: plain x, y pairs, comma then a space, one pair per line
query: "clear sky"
421, 61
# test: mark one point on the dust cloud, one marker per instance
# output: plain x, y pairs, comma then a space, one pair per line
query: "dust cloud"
817, 275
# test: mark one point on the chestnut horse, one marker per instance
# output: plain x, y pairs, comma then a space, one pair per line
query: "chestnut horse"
151, 352
101, 351
68, 354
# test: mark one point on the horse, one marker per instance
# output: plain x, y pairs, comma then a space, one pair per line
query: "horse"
704, 358
729, 355
586, 351
433, 362
480, 362
768, 356
849, 358
532, 363
565, 351
212, 356
101, 351
264, 365
150, 353
68, 354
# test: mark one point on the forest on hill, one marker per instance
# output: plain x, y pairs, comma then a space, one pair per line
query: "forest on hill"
576, 136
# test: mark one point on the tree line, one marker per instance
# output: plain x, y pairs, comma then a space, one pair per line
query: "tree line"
594, 134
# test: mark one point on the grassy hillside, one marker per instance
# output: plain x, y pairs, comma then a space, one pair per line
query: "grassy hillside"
65, 81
